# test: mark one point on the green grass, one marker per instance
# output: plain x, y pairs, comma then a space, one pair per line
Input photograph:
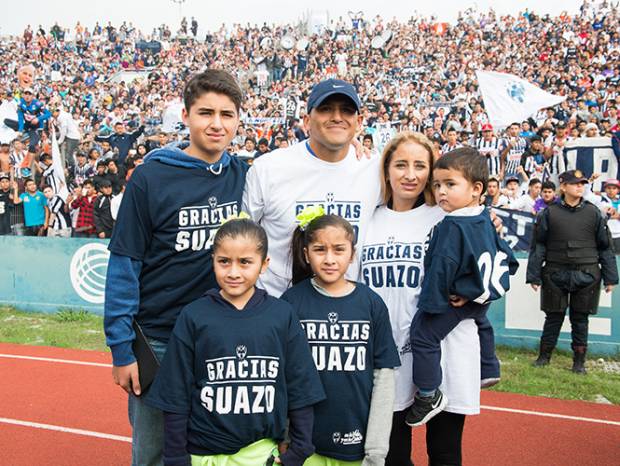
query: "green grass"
555, 380
82, 330
65, 329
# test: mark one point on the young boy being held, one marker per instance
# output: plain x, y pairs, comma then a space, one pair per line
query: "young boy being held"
161, 247
572, 240
466, 267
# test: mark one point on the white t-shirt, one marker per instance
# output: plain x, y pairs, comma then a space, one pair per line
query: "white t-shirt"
282, 183
393, 266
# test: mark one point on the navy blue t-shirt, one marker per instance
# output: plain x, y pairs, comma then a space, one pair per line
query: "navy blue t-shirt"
235, 373
349, 337
467, 258
167, 220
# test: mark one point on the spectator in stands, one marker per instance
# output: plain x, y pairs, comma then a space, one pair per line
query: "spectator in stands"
494, 196
59, 221
547, 196
6, 204
83, 198
36, 212
612, 199
121, 140
526, 202
102, 213
263, 148
68, 135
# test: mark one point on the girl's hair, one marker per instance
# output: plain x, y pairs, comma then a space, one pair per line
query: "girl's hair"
386, 158
302, 238
246, 228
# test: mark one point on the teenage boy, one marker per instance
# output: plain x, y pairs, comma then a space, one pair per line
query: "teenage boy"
161, 245
36, 212
572, 240
466, 267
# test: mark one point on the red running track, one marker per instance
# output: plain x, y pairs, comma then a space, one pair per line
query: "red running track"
52, 395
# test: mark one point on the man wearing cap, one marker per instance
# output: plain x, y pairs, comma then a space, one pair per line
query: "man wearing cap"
572, 240
323, 170
491, 147
31, 115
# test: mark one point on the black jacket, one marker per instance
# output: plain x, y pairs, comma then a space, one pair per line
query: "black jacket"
103, 215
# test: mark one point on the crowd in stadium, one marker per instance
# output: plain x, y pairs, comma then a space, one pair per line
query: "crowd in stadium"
105, 91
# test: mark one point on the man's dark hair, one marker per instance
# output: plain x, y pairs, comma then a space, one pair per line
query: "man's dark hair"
468, 162
534, 181
548, 185
218, 81
88, 181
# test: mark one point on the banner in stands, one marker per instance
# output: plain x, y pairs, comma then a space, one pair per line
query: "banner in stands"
518, 228
593, 155
48, 274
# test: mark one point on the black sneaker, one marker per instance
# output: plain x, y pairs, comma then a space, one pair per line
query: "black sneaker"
425, 408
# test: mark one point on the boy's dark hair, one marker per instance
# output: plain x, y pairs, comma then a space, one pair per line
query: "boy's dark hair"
468, 162
218, 81
534, 181
246, 228
29, 180
548, 185
46, 186
302, 238
88, 181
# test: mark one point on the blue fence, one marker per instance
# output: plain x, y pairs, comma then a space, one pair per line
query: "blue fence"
54, 273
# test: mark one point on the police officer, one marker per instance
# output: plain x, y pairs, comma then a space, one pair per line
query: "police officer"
571, 252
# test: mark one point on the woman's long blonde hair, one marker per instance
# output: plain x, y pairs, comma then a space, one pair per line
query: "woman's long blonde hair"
386, 158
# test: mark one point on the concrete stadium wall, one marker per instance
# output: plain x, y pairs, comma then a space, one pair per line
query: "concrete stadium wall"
45, 275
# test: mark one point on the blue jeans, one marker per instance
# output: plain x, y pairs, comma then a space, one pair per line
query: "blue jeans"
147, 424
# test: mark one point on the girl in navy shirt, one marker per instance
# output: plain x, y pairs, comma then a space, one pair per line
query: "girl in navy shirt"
237, 363
348, 328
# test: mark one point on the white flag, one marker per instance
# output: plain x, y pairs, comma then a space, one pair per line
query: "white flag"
59, 169
508, 98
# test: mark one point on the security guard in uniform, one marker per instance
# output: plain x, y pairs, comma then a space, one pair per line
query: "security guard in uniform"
571, 251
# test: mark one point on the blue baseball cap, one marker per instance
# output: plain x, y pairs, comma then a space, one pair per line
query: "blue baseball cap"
330, 87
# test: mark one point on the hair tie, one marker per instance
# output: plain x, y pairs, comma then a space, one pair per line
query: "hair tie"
308, 214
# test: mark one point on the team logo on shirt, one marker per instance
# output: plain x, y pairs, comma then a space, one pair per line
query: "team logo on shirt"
242, 352
332, 317
197, 225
